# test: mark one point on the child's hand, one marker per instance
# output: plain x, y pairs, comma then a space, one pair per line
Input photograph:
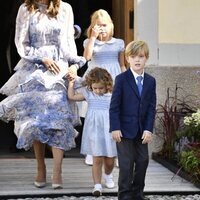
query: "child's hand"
116, 135
146, 137
71, 77
96, 30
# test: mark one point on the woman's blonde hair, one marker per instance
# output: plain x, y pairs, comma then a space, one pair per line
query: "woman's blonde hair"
100, 14
99, 75
134, 48
52, 9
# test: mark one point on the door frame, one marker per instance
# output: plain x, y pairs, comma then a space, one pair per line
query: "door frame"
123, 19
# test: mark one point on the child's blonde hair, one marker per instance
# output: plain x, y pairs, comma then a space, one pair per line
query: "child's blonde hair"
100, 14
99, 75
134, 48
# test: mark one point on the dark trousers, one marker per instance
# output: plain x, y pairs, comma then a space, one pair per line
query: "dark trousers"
133, 161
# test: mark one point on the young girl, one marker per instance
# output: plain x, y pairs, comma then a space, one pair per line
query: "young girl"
102, 49
96, 139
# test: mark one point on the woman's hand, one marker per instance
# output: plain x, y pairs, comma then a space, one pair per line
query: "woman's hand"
51, 65
73, 69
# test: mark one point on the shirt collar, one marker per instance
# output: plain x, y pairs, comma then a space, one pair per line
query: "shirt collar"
136, 75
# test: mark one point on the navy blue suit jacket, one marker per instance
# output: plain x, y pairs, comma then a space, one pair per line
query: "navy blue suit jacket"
129, 112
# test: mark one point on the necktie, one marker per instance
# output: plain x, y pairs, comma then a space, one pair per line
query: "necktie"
139, 84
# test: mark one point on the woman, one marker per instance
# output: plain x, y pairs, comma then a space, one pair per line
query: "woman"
37, 99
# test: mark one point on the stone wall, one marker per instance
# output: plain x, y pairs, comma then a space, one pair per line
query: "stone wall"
187, 78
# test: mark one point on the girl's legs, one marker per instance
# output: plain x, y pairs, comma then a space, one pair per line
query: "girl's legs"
97, 173
39, 150
97, 169
57, 167
108, 165
108, 168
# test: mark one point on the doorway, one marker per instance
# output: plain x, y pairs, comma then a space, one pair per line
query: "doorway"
121, 11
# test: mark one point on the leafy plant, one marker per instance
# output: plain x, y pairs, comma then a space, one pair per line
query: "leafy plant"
169, 116
190, 161
192, 126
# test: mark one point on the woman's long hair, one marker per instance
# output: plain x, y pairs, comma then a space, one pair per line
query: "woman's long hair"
52, 7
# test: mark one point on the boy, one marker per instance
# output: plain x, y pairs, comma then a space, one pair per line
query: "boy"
132, 115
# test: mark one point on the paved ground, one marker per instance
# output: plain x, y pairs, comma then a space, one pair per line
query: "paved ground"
151, 197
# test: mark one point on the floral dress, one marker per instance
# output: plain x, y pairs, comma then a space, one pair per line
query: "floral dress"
42, 111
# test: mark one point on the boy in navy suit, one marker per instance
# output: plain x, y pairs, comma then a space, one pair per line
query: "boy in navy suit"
132, 115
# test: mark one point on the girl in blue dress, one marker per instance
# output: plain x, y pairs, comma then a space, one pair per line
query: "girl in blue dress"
102, 49
36, 93
96, 139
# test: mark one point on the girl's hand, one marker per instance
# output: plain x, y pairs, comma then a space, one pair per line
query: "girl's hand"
51, 65
71, 77
95, 31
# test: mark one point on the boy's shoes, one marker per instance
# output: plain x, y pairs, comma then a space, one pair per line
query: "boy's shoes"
97, 191
109, 183
89, 160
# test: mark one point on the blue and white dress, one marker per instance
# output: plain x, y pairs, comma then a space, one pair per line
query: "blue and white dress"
96, 138
106, 55
42, 111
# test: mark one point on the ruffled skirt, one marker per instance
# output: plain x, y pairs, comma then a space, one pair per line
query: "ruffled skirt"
39, 113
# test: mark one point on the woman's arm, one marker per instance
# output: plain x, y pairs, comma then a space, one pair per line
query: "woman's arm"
22, 42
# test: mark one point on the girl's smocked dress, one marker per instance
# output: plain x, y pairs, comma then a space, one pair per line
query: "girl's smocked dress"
96, 139
106, 55
38, 106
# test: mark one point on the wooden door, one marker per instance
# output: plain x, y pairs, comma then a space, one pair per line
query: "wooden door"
123, 18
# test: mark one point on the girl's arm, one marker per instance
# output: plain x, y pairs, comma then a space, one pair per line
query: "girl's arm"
71, 93
89, 46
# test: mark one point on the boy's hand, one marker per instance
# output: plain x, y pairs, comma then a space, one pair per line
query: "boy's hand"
116, 135
146, 137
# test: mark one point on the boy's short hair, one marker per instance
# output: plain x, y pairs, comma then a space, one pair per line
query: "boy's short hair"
134, 48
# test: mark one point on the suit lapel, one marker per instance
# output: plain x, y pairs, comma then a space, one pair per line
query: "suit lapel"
131, 81
145, 85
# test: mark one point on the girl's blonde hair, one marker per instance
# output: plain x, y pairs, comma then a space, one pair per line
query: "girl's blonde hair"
134, 48
100, 14
99, 75
52, 9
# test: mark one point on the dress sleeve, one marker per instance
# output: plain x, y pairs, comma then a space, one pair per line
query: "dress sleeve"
85, 93
85, 42
24, 48
66, 18
121, 44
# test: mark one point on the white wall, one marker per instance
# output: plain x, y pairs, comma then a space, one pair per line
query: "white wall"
172, 30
